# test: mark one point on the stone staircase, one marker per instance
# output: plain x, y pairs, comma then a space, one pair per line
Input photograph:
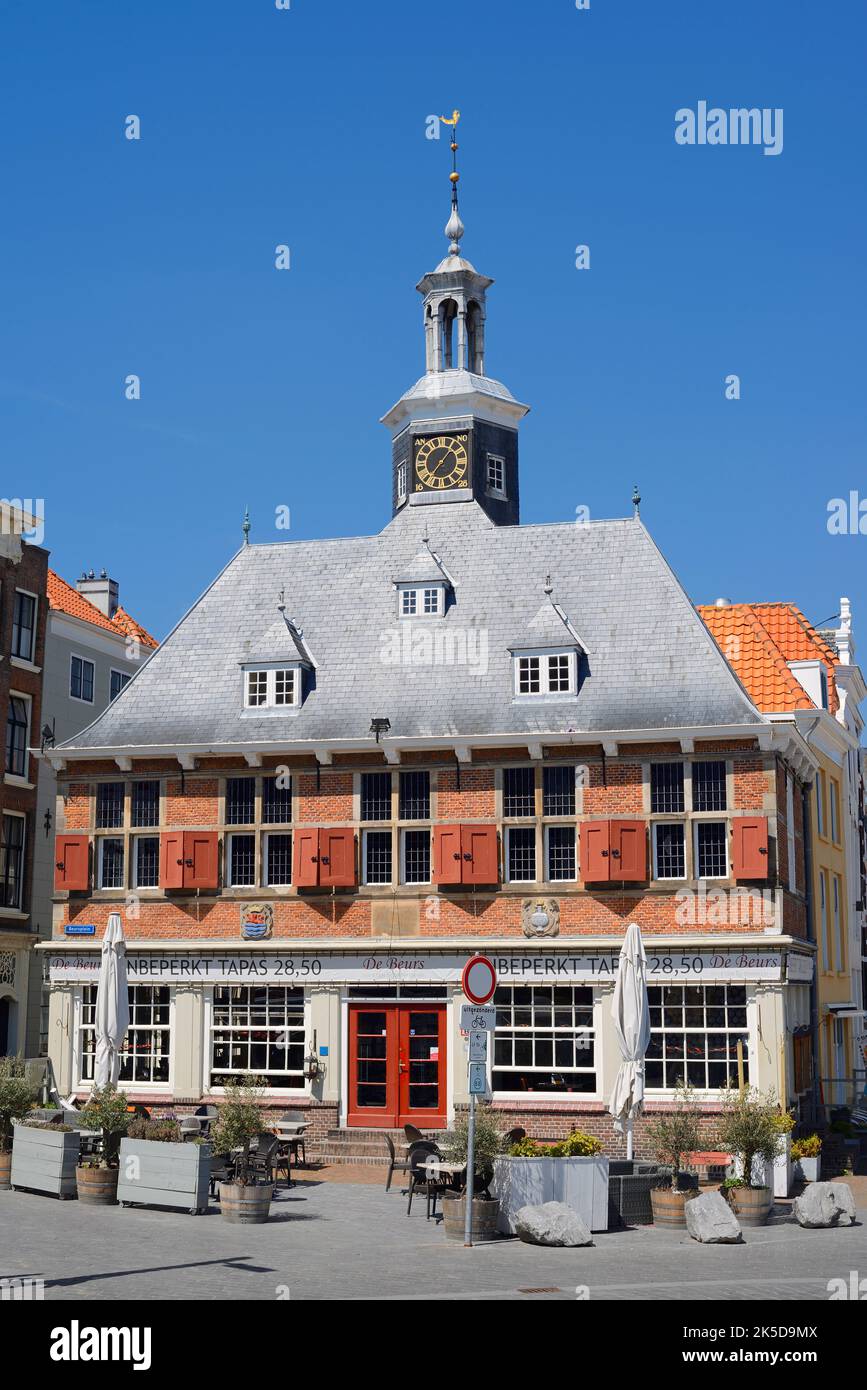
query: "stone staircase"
361, 1146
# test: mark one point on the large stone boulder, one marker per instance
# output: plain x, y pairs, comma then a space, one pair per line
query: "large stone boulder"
710, 1219
552, 1223
825, 1204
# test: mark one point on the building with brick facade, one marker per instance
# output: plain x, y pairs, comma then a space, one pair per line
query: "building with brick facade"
23, 608
799, 675
355, 762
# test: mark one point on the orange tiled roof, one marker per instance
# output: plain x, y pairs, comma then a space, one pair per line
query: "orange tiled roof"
66, 599
758, 639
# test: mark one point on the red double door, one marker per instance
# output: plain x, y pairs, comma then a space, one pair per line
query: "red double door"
397, 1065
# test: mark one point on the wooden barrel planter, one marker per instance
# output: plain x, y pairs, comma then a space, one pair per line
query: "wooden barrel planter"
5, 1171
97, 1187
485, 1213
751, 1205
245, 1205
669, 1208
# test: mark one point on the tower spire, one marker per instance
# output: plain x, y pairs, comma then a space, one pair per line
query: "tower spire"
454, 228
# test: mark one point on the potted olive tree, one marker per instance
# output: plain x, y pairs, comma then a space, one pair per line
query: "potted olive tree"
245, 1200
487, 1144
750, 1131
96, 1175
16, 1096
675, 1134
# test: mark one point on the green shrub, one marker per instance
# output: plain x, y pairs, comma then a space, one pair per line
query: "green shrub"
676, 1133
239, 1121
577, 1145
487, 1146
749, 1128
811, 1147
16, 1097
158, 1131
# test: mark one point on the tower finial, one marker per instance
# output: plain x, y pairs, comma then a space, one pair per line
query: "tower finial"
454, 227
246, 527
636, 501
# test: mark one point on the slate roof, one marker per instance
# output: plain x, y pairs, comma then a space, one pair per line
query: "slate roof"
759, 639
66, 599
652, 663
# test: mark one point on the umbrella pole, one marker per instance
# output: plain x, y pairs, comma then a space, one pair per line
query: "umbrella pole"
629, 1124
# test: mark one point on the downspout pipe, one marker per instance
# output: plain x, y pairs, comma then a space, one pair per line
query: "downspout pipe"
811, 937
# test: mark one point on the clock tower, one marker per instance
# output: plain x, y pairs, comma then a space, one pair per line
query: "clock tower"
455, 433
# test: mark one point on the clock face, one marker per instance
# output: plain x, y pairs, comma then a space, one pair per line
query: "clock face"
441, 462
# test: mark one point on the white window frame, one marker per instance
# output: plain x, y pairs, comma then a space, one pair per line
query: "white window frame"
400, 482
115, 833
665, 878
820, 802
415, 830
266, 880
133, 841
834, 810
380, 828
269, 669
495, 489
21, 778
594, 1033
416, 594
559, 825
522, 829
790, 830
207, 1050
85, 660
126, 676
146, 1087
750, 1029
837, 910
823, 921
18, 815
229, 876
16, 656
543, 654
710, 819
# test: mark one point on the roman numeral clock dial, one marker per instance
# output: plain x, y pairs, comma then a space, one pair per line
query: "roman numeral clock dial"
440, 462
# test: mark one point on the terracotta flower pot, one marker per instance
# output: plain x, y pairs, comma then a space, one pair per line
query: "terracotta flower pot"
669, 1208
751, 1205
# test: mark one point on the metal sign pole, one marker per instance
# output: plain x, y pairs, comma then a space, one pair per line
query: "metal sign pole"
471, 1170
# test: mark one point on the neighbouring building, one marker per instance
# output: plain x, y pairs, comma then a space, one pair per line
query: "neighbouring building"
93, 647
809, 678
356, 762
23, 608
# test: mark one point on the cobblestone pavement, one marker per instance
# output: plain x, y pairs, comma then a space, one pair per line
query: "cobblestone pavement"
351, 1240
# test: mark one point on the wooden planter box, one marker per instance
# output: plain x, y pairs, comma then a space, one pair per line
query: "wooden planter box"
164, 1175
44, 1160
581, 1183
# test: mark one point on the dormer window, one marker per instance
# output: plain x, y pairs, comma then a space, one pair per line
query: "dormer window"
496, 475
545, 673
273, 686
421, 600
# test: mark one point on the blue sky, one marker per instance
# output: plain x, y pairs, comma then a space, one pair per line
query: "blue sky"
307, 127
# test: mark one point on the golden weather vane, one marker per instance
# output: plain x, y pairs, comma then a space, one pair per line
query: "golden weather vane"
454, 227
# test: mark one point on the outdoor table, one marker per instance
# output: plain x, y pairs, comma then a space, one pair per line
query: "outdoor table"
436, 1167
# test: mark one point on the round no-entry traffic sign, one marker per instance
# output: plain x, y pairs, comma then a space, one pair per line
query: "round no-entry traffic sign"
479, 980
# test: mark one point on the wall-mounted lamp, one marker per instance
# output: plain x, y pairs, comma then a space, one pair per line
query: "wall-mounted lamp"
379, 726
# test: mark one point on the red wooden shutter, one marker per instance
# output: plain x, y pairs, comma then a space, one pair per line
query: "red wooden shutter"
172, 859
595, 846
200, 859
750, 847
629, 850
447, 854
71, 855
305, 858
336, 857
480, 861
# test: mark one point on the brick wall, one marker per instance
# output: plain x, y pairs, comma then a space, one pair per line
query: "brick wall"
328, 804
474, 800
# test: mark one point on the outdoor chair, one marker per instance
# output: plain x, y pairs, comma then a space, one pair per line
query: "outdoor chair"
395, 1164
222, 1170
205, 1114
514, 1136
262, 1157
420, 1180
190, 1128
413, 1135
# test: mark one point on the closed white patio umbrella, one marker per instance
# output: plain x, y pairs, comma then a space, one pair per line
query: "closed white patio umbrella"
631, 1013
112, 1004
